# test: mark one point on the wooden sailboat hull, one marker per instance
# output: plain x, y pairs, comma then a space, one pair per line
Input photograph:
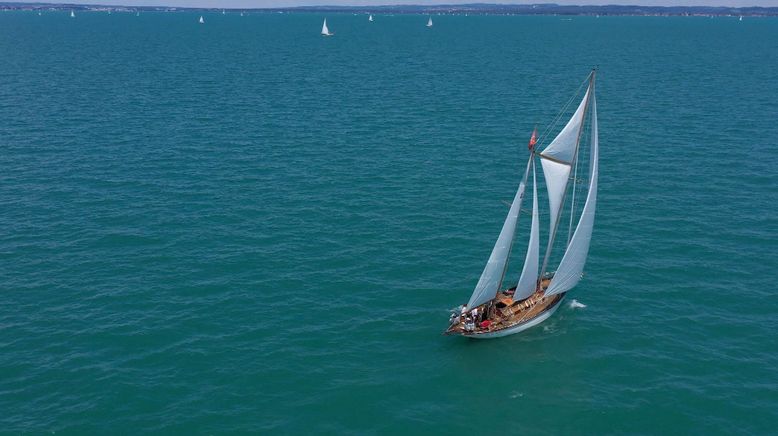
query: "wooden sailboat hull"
516, 328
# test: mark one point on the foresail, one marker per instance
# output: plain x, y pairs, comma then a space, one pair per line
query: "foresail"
529, 274
556, 175
492, 276
571, 268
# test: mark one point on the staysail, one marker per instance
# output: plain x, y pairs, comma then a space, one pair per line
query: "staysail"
494, 271
571, 268
557, 161
529, 274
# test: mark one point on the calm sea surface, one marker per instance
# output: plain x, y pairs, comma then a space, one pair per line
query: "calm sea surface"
243, 226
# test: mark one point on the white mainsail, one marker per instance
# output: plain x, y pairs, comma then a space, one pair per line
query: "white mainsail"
571, 267
557, 161
72, 14
201, 21
529, 274
370, 18
429, 22
494, 271
324, 30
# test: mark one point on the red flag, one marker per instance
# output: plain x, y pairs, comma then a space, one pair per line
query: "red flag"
533, 140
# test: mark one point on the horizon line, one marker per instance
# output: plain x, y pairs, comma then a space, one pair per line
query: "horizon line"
387, 5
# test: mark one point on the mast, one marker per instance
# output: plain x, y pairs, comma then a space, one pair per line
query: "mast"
552, 235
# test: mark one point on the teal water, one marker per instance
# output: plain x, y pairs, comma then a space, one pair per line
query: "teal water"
245, 227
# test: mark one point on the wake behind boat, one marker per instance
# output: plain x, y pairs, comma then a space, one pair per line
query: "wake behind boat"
493, 312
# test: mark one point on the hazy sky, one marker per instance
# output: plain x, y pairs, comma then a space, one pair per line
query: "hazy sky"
277, 3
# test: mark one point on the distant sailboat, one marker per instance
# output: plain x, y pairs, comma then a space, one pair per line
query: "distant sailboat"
324, 30
370, 18
201, 21
241, 14
494, 311
224, 12
741, 18
72, 14
429, 22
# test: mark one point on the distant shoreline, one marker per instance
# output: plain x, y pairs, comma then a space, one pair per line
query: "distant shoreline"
475, 9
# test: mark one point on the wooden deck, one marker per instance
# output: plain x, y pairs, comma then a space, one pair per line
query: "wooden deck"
511, 314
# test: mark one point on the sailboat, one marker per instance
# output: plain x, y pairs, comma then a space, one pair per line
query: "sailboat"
370, 18
429, 22
494, 311
324, 30
201, 21
741, 18
72, 14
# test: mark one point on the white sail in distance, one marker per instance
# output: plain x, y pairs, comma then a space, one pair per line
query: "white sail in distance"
529, 274
570, 269
324, 30
491, 277
429, 22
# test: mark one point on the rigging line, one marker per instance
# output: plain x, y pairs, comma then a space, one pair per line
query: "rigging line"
543, 136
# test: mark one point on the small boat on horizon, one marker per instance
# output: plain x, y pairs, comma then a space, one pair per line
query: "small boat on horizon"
201, 20
370, 18
325, 31
494, 311
72, 14
429, 22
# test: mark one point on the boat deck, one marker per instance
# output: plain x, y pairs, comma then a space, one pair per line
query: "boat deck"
506, 313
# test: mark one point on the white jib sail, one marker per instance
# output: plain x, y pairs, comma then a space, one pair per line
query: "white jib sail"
324, 29
557, 175
571, 268
529, 274
489, 283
